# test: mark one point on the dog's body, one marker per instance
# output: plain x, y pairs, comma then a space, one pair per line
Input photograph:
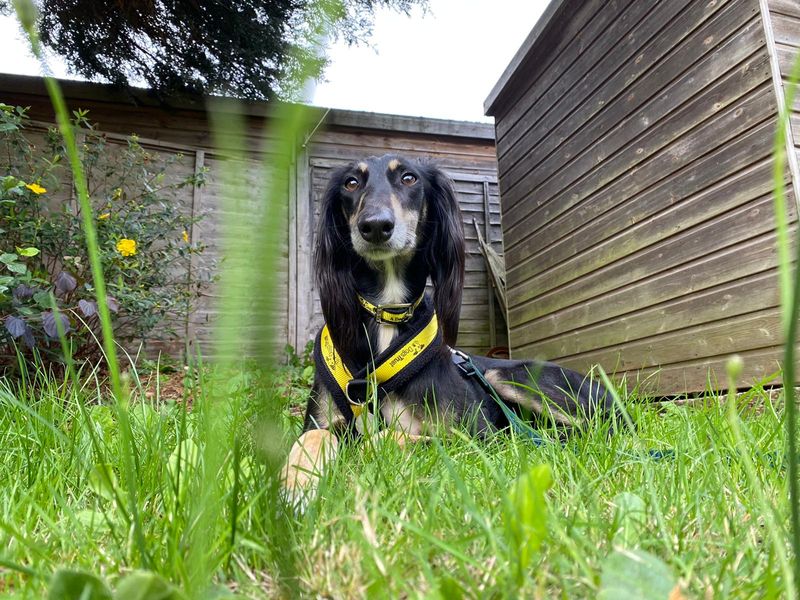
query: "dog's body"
388, 224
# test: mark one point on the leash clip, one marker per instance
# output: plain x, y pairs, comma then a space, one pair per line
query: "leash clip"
463, 362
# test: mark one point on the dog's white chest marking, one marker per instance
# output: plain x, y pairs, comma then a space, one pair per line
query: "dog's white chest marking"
394, 292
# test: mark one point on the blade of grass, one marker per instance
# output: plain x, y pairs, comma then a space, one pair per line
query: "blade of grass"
790, 296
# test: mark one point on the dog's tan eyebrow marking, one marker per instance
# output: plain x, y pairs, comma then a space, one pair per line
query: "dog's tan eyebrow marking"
393, 164
362, 166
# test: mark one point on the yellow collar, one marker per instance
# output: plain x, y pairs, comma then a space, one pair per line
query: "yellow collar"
391, 313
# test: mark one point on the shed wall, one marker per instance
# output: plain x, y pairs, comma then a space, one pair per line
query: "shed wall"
635, 177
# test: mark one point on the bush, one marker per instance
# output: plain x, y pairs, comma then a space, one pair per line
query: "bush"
44, 266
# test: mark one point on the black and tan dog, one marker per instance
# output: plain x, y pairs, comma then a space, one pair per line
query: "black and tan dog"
387, 225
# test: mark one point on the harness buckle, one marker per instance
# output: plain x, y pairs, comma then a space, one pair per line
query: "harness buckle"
399, 317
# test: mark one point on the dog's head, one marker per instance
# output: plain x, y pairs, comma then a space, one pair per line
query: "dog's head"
389, 208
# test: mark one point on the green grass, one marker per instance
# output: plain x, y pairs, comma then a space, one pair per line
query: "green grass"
692, 500
433, 520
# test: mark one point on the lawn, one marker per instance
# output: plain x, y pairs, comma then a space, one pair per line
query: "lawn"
675, 505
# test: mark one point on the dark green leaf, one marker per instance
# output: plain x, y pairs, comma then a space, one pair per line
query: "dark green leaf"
67, 584
145, 585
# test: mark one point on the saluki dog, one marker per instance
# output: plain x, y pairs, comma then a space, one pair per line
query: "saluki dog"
386, 226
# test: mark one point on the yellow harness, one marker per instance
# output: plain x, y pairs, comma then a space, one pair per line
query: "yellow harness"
396, 365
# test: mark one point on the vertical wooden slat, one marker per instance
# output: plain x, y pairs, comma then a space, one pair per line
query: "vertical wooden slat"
304, 239
780, 99
487, 225
197, 192
292, 287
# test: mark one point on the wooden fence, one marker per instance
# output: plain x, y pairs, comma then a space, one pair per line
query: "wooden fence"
464, 150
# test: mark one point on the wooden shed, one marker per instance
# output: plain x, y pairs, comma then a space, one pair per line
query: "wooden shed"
465, 151
634, 143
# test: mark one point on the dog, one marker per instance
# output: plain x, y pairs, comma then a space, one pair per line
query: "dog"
387, 225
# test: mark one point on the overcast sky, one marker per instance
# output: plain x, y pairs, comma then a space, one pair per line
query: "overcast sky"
442, 64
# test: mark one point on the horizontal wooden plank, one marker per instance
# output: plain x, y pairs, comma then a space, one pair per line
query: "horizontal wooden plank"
785, 7
761, 329
742, 260
786, 29
709, 374
711, 204
729, 229
726, 301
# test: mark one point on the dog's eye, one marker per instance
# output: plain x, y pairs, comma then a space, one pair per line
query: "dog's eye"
351, 184
408, 179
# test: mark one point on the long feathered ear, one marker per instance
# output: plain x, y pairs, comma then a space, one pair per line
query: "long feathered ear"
444, 250
333, 261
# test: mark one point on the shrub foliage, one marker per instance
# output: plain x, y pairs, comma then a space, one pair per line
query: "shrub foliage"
45, 279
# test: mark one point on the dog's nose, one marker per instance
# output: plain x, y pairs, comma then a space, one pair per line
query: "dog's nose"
376, 228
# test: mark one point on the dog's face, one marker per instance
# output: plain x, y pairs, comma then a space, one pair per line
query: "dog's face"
383, 200
382, 209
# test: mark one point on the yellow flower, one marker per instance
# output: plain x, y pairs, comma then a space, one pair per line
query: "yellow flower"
117, 194
185, 236
103, 217
126, 247
35, 188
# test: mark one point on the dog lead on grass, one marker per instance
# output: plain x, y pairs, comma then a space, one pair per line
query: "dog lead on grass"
387, 225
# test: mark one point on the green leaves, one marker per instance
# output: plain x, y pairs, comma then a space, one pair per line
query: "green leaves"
12, 264
630, 518
145, 585
77, 585
68, 584
43, 245
636, 574
27, 252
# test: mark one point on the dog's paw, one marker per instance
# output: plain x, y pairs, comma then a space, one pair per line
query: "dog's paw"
305, 465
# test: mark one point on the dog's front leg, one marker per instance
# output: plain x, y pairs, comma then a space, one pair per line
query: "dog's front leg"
314, 449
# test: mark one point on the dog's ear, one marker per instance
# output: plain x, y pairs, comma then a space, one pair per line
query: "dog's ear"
333, 258
444, 250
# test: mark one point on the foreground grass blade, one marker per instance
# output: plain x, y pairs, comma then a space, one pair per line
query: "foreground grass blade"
790, 304
26, 15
